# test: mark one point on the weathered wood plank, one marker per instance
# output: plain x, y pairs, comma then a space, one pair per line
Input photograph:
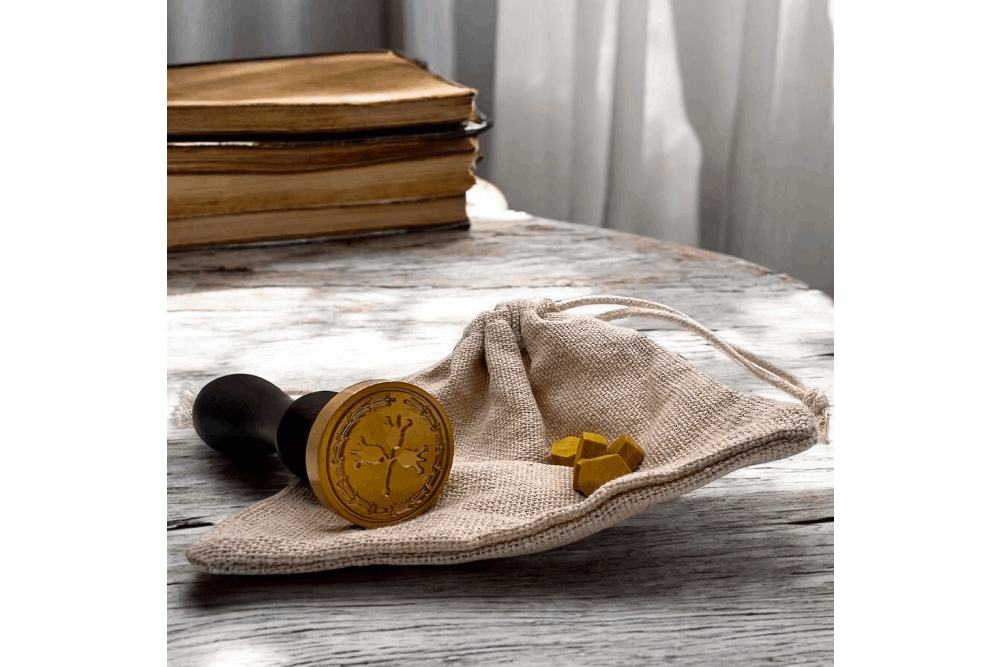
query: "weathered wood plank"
740, 571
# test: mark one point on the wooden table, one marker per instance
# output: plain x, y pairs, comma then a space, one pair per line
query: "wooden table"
737, 572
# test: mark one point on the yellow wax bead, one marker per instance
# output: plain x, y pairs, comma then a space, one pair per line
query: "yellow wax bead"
590, 474
628, 449
591, 446
564, 451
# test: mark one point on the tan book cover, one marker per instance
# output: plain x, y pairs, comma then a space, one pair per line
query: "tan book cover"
285, 153
199, 195
324, 93
328, 221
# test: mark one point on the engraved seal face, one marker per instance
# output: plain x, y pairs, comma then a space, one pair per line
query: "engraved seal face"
380, 453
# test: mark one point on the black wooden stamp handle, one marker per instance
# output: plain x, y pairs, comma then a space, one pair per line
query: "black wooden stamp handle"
246, 417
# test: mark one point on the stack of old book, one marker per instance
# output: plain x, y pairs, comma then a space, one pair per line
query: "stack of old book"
313, 146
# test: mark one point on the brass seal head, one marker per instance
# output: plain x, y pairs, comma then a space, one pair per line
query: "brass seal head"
380, 452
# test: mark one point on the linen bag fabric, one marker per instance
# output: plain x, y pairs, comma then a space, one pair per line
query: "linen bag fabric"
521, 377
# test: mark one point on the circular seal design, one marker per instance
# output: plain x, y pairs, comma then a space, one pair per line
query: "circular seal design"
380, 453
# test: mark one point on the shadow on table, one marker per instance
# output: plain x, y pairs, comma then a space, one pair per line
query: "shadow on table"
680, 548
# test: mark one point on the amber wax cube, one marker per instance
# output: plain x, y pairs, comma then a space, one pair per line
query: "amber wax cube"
628, 449
590, 474
591, 445
564, 451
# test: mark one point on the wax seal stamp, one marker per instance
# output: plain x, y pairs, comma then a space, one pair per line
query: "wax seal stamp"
376, 453
382, 454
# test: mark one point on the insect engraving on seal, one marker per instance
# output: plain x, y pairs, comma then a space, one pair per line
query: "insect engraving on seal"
406, 456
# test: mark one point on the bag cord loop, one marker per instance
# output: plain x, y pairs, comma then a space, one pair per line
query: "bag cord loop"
761, 369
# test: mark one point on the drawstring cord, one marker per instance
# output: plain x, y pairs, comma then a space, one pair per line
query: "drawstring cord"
761, 369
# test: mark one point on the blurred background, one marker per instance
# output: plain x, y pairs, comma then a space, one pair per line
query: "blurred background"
704, 122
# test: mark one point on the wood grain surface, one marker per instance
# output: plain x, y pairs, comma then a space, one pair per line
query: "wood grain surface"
737, 572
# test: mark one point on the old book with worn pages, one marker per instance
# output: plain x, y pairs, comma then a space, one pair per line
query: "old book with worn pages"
321, 221
365, 153
196, 195
325, 93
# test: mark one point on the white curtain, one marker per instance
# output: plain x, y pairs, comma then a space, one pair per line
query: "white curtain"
705, 122
206, 30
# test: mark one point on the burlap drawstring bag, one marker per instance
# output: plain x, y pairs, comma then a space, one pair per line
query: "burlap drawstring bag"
521, 377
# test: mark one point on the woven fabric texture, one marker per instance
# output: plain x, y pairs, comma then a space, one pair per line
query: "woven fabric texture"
521, 377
